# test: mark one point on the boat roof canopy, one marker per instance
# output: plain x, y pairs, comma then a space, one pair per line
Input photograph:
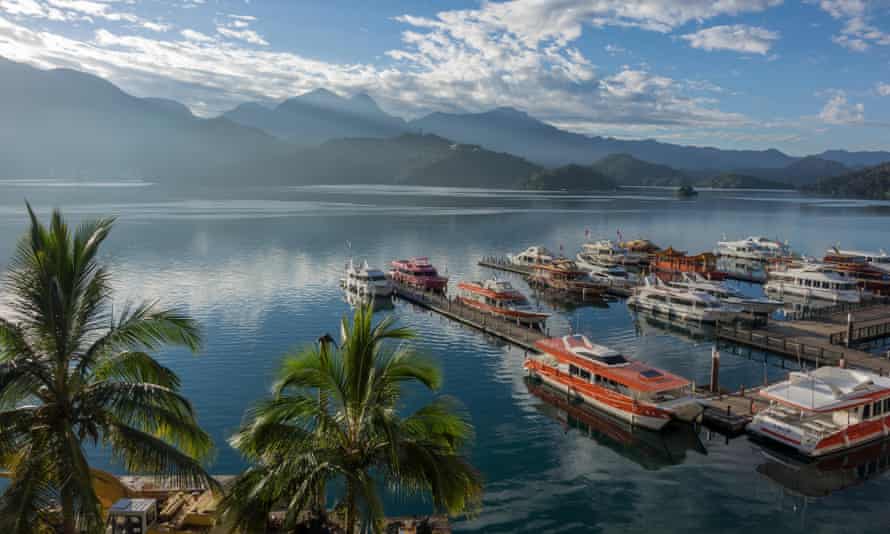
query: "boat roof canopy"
827, 388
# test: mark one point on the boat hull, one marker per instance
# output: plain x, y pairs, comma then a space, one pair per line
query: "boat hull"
529, 318
782, 288
686, 314
854, 436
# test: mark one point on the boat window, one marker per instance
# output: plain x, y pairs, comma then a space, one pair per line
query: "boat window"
866, 411
877, 408
611, 359
650, 373
886, 405
573, 370
585, 375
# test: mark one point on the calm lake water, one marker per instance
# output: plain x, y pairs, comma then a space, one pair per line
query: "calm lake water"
259, 267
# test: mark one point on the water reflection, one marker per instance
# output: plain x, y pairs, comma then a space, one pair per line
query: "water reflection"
649, 324
648, 449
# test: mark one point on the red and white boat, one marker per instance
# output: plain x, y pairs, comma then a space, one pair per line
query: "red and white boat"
418, 273
501, 299
626, 389
827, 410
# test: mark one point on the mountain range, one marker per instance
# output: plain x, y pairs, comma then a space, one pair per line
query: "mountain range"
65, 123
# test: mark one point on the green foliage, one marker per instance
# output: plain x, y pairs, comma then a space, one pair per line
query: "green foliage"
628, 170
333, 416
72, 374
571, 178
733, 180
872, 182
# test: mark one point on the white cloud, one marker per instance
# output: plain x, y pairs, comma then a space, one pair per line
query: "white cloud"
32, 9
735, 38
248, 36
838, 110
156, 26
883, 89
93, 9
196, 36
858, 34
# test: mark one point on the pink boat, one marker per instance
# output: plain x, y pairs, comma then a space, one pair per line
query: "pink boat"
419, 274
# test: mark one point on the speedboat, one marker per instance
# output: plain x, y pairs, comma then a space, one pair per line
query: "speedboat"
614, 277
534, 255
418, 273
729, 295
813, 281
501, 299
682, 303
565, 276
826, 410
629, 390
366, 281
753, 248
606, 252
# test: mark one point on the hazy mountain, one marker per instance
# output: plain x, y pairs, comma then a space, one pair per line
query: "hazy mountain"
732, 180
871, 182
856, 159
318, 116
628, 170
516, 132
64, 123
571, 178
802, 172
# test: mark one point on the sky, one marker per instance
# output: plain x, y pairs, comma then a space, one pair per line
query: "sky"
800, 76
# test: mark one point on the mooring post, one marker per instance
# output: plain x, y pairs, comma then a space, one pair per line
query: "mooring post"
849, 328
715, 370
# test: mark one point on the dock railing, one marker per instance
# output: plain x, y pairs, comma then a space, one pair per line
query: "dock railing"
777, 343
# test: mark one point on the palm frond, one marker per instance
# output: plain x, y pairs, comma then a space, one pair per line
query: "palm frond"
135, 367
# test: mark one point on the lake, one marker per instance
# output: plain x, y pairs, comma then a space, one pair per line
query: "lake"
259, 268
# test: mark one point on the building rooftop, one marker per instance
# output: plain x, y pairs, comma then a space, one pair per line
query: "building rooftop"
133, 505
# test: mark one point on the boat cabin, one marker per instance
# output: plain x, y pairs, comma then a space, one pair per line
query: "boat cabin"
132, 516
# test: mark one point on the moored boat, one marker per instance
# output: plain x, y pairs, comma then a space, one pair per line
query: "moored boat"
418, 273
614, 277
879, 260
366, 281
499, 298
753, 248
643, 246
813, 281
565, 276
670, 262
607, 253
827, 410
605, 379
534, 255
682, 303
872, 276
729, 295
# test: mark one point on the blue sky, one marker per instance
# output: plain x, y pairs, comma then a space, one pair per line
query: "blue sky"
798, 76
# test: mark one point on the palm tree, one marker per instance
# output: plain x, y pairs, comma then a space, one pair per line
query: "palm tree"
72, 374
333, 417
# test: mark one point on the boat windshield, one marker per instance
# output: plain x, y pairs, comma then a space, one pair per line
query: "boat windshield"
608, 359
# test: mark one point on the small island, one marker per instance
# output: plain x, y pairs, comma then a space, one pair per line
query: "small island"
685, 191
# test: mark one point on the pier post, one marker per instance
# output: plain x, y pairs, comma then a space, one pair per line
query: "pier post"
715, 370
849, 328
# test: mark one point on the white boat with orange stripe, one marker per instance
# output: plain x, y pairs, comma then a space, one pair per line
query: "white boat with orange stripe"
501, 299
605, 379
826, 410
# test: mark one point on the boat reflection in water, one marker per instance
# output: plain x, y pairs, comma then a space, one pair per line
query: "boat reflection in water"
827, 475
649, 449
649, 324
357, 300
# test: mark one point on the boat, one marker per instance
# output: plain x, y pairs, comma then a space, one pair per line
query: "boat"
419, 274
614, 277
669, 263
640, 245
685, 191
813, 281
871, 276
534, 255
606, 253
824, 411
366, 281
879, 259
753, 248
729, 295
565, 276
499, 298
682, 303
629, 390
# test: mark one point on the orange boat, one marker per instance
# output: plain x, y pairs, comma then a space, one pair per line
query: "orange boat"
501, 299
565, 275
670, 262
867, 276
605, 379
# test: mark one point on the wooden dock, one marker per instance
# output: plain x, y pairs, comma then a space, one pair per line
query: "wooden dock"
730, 413
513, 333
822, 341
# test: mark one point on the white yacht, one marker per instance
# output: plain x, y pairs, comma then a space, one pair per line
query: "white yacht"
879, 259
534, 255
813, 281
606, 252
729, 295
691, 305
753, 248
366, 281
615, 276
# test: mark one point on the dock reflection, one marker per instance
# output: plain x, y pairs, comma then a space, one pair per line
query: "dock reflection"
648, 449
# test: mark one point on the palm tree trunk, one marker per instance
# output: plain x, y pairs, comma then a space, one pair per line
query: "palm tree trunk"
350, 507
69, 523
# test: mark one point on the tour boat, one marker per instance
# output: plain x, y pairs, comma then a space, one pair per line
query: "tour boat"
366, 281
418, 273
814, 281
879, 260
501, 299
729, 295
614, 277
871, 275
827, 410
606, 252
629, 390
564, 275
534, 255
669, 263
642, 246
682, 303
753, 248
